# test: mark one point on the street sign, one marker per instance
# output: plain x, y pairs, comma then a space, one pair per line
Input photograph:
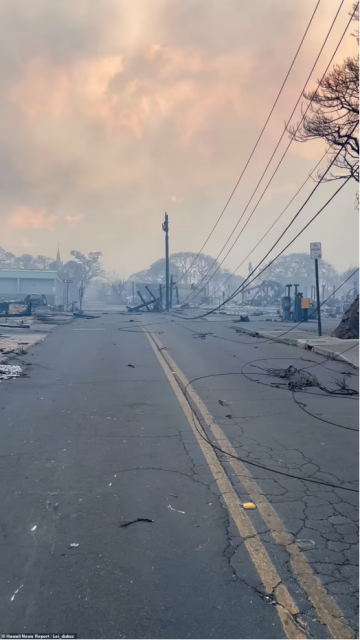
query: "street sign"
315, 250
68, 281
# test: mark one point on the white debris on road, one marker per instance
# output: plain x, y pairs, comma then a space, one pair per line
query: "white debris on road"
17, 591
172, 509
8, 371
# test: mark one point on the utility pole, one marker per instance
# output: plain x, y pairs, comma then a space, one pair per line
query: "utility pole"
318, 296
171, 290
67, 282
316, 253
81, 295
165, 227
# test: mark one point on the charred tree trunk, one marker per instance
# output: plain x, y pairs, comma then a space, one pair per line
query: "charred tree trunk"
349, 325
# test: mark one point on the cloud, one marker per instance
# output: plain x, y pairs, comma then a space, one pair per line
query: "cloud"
277, 191
24, 218
73, 220
25, 243
108, 107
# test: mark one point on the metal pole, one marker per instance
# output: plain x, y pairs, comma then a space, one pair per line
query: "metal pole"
67, 296
318, 295
171, 290
167, 262
81, 294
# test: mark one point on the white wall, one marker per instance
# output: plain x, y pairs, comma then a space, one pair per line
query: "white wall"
20, 284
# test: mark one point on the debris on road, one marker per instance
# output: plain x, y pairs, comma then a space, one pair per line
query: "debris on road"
154, 304
305, 544
127, 524
73, 545
17, 591
14, 326
228, 415
8, 371
224, 403
132, 366
84, 316
298, 379
249, 505
172, 509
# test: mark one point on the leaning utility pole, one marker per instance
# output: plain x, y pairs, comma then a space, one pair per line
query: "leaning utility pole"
165, 227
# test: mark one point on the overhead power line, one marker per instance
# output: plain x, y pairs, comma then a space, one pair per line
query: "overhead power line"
256, 143
279, 163
274, 223
241, 288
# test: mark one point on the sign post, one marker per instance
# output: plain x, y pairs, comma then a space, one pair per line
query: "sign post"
315, 254
67, 282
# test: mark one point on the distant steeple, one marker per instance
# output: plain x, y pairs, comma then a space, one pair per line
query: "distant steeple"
58, 258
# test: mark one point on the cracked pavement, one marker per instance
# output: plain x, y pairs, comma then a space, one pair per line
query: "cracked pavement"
266, 427
89, 443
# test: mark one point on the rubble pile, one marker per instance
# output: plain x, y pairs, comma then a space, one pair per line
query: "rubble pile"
349, 326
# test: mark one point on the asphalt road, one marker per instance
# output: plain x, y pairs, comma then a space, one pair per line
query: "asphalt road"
90, 444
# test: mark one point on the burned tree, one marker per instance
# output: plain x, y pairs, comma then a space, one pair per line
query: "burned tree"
333, 116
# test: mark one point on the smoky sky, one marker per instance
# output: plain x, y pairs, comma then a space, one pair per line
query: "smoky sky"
115, 111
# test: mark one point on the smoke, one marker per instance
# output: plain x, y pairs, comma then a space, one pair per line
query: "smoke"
109, 108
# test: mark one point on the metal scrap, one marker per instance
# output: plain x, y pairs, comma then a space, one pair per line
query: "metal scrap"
154, 304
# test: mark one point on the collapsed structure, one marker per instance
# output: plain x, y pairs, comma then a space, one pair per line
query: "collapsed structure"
349, 326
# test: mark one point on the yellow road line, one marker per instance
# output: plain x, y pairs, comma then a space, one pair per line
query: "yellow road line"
271, 580
327, 610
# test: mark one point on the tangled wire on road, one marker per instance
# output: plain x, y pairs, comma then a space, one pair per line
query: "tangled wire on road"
299, 379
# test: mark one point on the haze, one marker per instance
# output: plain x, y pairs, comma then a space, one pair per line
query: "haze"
113, 113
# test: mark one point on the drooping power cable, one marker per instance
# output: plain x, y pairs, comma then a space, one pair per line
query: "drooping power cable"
256, 144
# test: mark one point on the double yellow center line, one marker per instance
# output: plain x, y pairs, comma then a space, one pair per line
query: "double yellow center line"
327, 610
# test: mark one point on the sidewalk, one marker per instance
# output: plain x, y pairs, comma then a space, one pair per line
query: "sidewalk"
343, 350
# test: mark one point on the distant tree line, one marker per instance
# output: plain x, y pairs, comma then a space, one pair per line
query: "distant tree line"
287, 269
82, 269
189, 268
186, 267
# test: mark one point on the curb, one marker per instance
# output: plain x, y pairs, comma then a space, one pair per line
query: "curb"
302, 343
